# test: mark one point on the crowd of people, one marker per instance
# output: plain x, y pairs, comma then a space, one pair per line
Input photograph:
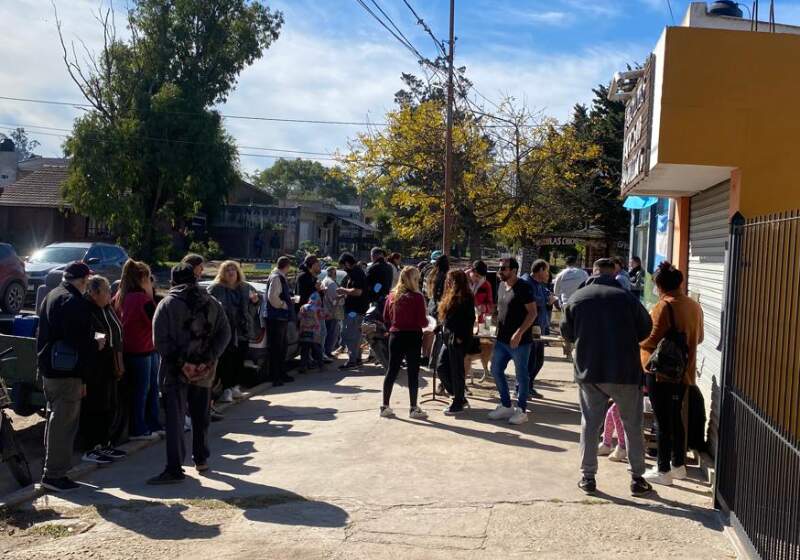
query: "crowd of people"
105, 349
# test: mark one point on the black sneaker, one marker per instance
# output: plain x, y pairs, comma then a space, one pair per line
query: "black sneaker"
349, 365
97, 456
113, 453
62, 484
167, 477
534, 394
216, 416
588, 485
640, 487
452, 410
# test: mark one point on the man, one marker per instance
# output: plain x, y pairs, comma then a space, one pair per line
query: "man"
607, 323
66, 348
636, 275
620, 274
307, 282
190, 331
356, 303
380, 275
197, 262
396, 260
538, 279
332, 307
568, 280
278, 310
516, 313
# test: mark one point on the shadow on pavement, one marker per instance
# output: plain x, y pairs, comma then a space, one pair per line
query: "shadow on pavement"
706, 517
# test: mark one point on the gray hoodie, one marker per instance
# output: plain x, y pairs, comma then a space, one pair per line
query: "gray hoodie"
189, 326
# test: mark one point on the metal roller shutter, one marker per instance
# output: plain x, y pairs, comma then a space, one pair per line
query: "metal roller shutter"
708, 240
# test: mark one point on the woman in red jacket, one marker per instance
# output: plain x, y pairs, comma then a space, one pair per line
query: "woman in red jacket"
135, 306
405, 316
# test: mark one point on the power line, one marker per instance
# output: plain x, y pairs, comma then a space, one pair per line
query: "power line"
407, 44
671, 14
394, 25
427, 29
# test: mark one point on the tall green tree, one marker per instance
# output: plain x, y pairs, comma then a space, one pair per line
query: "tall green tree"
306, 180
153, 151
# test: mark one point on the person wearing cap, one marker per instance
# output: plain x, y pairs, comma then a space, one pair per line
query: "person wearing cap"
606, 323
67, 349
356, 303
191, 332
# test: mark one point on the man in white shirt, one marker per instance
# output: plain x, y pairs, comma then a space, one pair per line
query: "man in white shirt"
568, 280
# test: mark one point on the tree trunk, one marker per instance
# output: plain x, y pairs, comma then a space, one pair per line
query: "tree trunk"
475, 245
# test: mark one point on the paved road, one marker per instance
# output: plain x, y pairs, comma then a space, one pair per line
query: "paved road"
313, 472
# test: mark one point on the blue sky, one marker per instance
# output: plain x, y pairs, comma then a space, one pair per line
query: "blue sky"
334, 62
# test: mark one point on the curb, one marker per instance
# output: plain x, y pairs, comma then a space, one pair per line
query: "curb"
81, 470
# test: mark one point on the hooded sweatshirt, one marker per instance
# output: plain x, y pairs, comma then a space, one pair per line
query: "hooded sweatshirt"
189, 326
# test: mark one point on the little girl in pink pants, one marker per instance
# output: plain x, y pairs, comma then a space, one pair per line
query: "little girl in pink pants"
613, 424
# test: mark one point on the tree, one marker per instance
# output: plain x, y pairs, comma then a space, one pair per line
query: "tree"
305, 180
152, 151
23, 145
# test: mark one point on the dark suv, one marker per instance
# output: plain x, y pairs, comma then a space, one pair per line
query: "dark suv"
46, 265
13, 281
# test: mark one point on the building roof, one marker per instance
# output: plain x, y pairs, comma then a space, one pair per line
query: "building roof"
40, 188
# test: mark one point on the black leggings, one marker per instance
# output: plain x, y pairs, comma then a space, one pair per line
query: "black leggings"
231, 365
408, 345
667, 401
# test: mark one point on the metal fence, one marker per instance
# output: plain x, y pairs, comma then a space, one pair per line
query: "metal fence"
758, 461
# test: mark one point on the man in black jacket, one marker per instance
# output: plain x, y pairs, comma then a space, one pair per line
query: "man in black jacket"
65, 330
606, 324
380, 275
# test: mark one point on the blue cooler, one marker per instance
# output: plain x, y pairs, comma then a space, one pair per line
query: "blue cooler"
25, 325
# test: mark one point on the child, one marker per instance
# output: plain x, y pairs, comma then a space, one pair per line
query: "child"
613, 422
311, 333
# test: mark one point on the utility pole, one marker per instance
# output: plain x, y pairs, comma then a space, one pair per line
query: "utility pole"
448, 158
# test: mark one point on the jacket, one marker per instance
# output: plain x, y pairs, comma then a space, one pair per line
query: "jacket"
460, 321
278, 305
136, 313
236, 303
406, 313
66, 316
306, 285
380, 277
191, 327
108, 361
606, 323
688, 319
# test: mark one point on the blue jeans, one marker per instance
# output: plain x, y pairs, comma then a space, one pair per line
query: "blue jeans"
503, 353
144, 371
351, 335
331, 335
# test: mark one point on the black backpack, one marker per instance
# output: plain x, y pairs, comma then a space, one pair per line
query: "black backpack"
671, 356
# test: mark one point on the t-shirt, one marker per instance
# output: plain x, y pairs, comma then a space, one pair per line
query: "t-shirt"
380, 276
356, 278
541, 295
511, 312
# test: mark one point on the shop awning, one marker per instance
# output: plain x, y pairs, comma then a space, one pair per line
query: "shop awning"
640, 202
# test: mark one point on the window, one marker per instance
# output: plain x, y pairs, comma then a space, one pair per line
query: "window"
5, 251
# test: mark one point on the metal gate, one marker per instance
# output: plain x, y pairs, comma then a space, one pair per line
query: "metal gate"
758, 460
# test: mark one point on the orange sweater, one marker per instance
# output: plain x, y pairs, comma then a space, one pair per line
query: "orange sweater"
688, 319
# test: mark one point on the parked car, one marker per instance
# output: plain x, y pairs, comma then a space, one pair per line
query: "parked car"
13, 280
46, 265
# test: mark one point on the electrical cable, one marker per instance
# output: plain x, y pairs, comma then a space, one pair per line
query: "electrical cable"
421, 22
671, 14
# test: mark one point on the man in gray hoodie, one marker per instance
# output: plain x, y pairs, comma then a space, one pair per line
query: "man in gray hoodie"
191, 332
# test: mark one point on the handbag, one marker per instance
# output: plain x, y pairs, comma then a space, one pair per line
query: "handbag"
671, 355
63, 357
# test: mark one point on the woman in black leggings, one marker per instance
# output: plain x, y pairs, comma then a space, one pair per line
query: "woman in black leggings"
457, 315
405, 315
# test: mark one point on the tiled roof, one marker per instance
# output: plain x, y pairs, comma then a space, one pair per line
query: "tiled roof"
40, 188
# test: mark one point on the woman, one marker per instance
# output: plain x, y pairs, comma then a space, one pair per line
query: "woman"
395, 260
457, 315
234, 294
481, 290
136, 306
100, 407
674, 309
435, 284
404, 315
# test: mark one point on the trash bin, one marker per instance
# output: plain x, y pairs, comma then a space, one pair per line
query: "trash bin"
25, 325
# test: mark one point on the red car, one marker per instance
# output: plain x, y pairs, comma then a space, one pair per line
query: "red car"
13, 280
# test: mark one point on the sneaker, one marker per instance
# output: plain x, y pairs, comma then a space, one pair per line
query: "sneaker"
227, 396
201, 467
387, 412
97, 457
160, 433
236, 392
216, 416
453, 409
167, 477
501, 413
519, 417
349, 365
534, 394
619, 455
417, 413
113, 453
62, 484
146, 437
654, 476
603, 450
678, 473
640, 487
588, 485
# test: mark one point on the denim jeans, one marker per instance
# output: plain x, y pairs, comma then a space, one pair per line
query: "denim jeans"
144, 370
351, 335
503, 353
331, 335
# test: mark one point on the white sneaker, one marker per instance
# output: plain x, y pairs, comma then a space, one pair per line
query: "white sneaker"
236, 392
501, 413
227, 396
387, 412
187, 424
654, 476
619, 455
417, 413
678, 473
519, 417
603, 450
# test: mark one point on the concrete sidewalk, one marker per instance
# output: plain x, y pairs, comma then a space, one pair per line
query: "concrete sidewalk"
311, 471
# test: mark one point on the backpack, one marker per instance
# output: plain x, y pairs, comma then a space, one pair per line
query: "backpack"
671, 356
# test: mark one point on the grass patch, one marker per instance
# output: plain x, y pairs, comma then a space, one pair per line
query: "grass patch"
50, 530
207, 503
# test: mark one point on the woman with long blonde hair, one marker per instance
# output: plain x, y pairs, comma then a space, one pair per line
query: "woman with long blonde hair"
235, 295
405, 317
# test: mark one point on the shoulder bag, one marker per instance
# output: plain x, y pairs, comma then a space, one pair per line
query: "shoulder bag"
671, 355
